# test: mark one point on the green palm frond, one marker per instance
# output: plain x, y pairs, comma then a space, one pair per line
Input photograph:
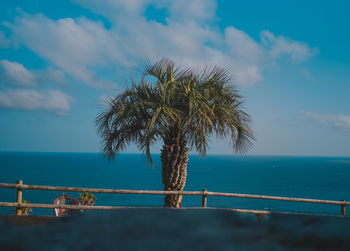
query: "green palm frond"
177, 103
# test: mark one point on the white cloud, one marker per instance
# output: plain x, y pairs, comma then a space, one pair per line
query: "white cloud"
180, 10
79, 47
16, 74
335, 121
195, 10
26, 99
72, 45
280, 45
13, 73
111, 8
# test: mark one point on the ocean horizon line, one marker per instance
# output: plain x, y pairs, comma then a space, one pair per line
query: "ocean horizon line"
191, 154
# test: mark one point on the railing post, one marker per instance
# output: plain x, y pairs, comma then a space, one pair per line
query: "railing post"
342, 209
204, 198
19, 197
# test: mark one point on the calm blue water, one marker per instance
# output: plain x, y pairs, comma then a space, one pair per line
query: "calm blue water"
305, 177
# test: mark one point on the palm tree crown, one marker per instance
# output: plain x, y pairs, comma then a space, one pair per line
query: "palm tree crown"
179, 104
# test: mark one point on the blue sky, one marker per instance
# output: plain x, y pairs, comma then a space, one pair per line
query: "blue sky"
290, 59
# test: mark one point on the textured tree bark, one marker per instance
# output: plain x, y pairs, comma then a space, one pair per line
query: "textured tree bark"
174, 157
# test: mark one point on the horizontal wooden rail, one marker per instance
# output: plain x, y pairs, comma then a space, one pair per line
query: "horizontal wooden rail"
264, 197
204, 193
78, 207
154, 192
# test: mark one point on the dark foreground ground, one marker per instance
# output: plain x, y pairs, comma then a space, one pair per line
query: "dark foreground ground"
170, 229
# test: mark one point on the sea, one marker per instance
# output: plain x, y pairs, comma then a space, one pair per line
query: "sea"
325, 178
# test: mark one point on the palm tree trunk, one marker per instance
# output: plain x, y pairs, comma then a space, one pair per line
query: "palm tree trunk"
174, 157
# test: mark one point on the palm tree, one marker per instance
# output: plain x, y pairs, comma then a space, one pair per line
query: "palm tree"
181, 107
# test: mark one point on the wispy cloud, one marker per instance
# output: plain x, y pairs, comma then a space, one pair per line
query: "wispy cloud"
72, 45
26, 99
189, 35
20, 89
279, 46
15, 73
330, 120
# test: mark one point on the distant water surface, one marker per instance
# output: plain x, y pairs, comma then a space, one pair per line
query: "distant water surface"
304, 177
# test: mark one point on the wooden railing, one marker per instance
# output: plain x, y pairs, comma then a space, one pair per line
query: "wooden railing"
204, 193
